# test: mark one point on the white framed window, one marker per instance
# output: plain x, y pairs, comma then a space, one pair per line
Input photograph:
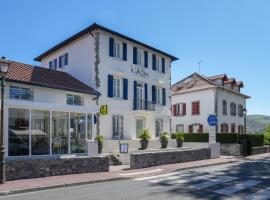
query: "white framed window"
139, 57
180, 128
118, 129
159, 96
73, 99
116, 87
21, 93
159, 127
117, 49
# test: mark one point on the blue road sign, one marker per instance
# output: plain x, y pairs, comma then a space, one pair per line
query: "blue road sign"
212, 120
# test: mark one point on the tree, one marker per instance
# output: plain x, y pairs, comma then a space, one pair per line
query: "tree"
267, 135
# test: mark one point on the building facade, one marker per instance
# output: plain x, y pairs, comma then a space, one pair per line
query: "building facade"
133, 78
47, 112
196, 97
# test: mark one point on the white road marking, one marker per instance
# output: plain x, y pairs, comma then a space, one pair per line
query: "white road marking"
260, 195
213, 182
188, 179
141, 172
158, 176
238, 187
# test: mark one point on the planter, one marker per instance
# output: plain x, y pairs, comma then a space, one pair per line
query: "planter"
144, 144
100, 147
164, 144
179, 143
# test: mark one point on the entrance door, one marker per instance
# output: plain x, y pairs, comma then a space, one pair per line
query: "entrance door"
139, 126
139, 96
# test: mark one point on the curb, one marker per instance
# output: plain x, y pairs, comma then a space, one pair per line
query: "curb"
49, 187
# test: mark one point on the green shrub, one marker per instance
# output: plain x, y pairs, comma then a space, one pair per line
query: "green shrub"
267, 135
196, 137
145, 135
225, 138
179, 136
164, 137
99, 139
257, 140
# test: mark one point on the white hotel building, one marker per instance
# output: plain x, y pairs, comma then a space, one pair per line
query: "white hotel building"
196, 97
132, 77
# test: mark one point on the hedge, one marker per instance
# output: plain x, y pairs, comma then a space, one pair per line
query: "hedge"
223, 138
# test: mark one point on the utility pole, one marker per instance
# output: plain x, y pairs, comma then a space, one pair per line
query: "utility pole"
200, 62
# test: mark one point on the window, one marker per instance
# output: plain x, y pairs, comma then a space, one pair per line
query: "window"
158, 64
89, 127
179, 109
75, 100
224, 107
40, 132
196, 128
60, 128
139, 57
118, 126
233, 109
116, 49
232, 128
18, 132
63, 60
240, 129
158, 96
53, 64
240, 110
116, 87
20, 93
224, 128
196, 108
180, 128
159, 127
77, 133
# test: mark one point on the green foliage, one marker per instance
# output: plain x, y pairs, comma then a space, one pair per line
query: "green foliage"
179, 136
196, 137
226, 138
257, 140
145, 135
267, 135
99, 139
164, 136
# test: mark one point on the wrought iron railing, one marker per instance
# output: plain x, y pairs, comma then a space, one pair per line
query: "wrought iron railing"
141, 104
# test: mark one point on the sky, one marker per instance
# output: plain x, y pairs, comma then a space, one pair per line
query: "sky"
228, 36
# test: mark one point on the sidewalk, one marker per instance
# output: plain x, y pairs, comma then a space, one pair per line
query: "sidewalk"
116, 173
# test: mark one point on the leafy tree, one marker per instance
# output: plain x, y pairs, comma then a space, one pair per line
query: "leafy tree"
267, 135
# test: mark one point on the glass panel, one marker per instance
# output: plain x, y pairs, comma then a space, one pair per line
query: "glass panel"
18, 132
139, 126
70, 99
89, 127
159, 127
59, 132
14, 92
77, 133
40, 132
118, 126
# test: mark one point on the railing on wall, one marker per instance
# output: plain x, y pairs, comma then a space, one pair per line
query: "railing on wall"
141, 104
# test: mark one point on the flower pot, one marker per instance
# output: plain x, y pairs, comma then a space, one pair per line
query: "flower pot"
144, 144
179, 143
164, 144
100, 147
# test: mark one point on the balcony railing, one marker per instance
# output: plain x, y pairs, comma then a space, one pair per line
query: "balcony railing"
141, 104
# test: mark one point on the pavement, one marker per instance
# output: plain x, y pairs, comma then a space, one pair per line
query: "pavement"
119, 175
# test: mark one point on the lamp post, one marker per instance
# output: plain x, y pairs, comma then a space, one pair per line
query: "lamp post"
3, 71
245, 121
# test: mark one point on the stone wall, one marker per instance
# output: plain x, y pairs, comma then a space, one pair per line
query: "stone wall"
36, 168
149, 159
231, 149
260, 150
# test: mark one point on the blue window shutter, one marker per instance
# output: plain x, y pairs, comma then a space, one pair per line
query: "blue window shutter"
163, 65
124, 51
111, 41
146, 96
146, 59
110, 85
60, 62
163, 96
95, 119
135, 55
154, 94
125, 89
135, 96
154, 62
66, 59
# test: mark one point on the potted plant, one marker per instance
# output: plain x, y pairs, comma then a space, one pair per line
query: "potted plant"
100, 140
179, 139
164, 139
145, 136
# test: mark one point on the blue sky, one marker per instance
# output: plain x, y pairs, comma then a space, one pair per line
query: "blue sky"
230, 36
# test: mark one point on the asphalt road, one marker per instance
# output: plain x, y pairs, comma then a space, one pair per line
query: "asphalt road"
246, 180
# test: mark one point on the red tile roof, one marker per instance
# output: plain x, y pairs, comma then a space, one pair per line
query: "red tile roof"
220, 76
33, 75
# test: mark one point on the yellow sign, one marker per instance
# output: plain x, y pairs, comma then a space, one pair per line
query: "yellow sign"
103, 109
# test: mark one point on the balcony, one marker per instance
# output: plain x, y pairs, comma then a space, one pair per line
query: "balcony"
141, 104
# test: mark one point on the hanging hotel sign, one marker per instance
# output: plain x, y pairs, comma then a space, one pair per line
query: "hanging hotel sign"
140, 71
103, 109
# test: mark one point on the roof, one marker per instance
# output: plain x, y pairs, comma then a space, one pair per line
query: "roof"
216, 77
39, 76
93, 27
196, 82
231, 80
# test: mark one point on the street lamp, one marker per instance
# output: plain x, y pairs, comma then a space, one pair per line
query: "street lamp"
4, 65
245, 121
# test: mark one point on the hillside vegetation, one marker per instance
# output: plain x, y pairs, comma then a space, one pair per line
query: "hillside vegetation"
257, 123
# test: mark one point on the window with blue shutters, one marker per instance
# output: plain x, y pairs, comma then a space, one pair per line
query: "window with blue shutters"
110, 86
125, 89
163, 96
146, 59
124, 51
163, 65
63, 60
154, 62
134, 55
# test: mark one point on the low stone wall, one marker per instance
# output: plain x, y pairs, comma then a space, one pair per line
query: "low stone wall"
260, 150
36, 168
231, 149
150, 159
